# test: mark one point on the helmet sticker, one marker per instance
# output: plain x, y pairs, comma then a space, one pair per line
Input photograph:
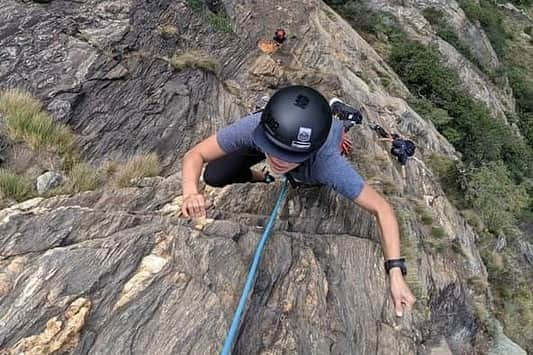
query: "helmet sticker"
304, 134
302, 101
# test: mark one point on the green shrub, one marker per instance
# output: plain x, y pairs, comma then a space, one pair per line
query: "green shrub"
220, 22
490, 18
438, 19
137, 167
438, 116
364, 19
524, 3
195, 5
434, 16
497, 198
453, 182
449, 34
472, 130
426, 219
517, 155
520, 153
13, 186
522, 85
193, 59
438, 232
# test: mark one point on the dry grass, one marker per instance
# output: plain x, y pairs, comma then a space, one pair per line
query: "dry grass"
81, 177
137, 167
193, 59
13, 186
167, 31
25, 122
109, 168
17, 102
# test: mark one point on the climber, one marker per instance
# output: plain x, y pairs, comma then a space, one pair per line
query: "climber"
295, 133
280, 36
402, 148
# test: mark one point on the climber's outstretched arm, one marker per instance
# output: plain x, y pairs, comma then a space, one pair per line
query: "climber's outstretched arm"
372, 201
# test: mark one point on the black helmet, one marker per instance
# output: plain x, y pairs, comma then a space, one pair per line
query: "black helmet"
294, 124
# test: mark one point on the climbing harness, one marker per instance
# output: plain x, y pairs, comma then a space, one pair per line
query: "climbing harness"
230, 337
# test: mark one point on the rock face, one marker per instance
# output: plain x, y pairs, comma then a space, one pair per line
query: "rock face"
503, 345
48, 181
113, 272
3, 148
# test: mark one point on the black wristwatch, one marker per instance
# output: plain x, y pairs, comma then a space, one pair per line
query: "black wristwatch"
389, 264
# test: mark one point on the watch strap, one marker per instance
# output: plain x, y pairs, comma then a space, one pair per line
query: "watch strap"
389, 264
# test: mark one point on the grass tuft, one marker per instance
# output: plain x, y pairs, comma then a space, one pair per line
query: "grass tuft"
137, 167
193, 59
25, 122
13, 186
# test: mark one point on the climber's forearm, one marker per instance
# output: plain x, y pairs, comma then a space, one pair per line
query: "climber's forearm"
370, 200
389, 233
194, 160
190, 172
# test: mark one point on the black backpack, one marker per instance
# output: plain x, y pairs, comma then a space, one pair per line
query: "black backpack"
410, 147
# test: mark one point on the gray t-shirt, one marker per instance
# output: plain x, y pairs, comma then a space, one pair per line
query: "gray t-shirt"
326, 167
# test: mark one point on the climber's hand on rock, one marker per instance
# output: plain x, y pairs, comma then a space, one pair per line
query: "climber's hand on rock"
402, 297
194, 206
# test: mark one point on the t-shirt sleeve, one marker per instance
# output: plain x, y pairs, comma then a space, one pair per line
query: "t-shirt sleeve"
238, 134
340, 175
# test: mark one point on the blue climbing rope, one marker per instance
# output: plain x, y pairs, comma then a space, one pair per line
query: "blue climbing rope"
228, 343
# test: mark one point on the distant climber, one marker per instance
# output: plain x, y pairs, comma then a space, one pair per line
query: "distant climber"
297, 136
402, 148
271, 46
280, 36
